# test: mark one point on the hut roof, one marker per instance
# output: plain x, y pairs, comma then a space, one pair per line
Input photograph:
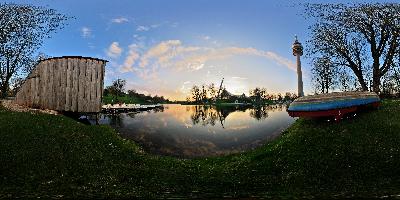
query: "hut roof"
79, 57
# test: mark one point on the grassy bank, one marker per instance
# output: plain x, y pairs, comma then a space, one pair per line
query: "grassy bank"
54, 156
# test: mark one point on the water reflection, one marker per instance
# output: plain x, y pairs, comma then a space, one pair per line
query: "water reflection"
195, 131
208, 115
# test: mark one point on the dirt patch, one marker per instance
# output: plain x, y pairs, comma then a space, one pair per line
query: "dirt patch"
10, 105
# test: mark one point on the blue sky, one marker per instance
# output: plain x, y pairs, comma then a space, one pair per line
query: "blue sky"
163, 47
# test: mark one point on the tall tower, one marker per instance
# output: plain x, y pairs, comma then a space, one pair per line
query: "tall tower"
298, 51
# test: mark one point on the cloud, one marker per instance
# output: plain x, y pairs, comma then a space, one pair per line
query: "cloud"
163, 51
114, 51
174, 24
208, 54
86, 32
130, 59
155, 25
119, 20
173, 54
143, 28
239, 78
206, 37
184, 88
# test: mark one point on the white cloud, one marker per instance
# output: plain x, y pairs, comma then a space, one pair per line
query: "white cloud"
114, 51
119, 20
223, 53
239, 78
143, 28
185, 88
130, 60
173, 54
86, 32
155, 25
91, 45
163, 51
206, 37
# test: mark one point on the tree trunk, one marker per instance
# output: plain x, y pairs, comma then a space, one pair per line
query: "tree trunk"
4, 89
376, 82
361, 80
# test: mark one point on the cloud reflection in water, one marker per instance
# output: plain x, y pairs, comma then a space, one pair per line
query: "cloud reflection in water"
198, 131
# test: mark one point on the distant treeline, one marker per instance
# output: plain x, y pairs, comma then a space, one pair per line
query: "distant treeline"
115, 93
208, 94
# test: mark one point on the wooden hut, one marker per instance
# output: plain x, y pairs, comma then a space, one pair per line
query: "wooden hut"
69, 83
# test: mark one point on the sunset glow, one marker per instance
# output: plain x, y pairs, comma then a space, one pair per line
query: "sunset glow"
165, 47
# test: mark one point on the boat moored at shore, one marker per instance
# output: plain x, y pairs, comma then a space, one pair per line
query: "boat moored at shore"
336, 104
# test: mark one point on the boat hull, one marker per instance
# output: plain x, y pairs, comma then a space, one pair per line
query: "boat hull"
332, 105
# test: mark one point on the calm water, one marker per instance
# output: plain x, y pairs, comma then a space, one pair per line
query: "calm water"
197, 131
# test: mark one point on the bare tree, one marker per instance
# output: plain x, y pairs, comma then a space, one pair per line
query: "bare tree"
258, 95
212, 91
324, 74
391, 83
203, 93
22, 31
195, 93
361, 37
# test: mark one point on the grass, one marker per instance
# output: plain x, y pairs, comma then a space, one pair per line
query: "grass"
54, 156
109, 99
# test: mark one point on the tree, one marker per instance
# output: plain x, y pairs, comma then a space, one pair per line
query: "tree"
288, 96
22, 31
225, 94
324, 74
346, 81
117, 88
279, 97
391, 83
203, 93
212, 91
361, 37
195, 93
16, 85
258, 95
133, 93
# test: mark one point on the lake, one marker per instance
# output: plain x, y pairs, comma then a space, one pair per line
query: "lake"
189, 131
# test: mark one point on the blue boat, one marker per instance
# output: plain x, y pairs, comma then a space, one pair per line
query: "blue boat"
334, 104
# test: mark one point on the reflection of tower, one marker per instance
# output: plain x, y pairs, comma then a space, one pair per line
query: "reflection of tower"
298, 51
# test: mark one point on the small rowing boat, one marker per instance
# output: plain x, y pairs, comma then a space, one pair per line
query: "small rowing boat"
334, 104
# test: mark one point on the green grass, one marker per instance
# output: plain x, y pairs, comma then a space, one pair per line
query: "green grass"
54, 156
124, 99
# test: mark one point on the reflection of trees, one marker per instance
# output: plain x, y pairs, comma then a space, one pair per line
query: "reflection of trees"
132, 114
115, 120
204, 114
259, 112
275, 107
208, 115
158, 109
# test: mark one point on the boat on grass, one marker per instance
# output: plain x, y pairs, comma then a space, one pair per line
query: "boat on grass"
335, 104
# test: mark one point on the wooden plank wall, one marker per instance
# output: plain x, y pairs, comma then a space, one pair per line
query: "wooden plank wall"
65, 84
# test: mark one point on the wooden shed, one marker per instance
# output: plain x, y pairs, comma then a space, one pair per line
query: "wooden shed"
68, 83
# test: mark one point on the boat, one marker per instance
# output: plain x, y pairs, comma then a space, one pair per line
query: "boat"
335, 104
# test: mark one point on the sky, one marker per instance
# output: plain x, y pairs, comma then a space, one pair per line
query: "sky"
164, 47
